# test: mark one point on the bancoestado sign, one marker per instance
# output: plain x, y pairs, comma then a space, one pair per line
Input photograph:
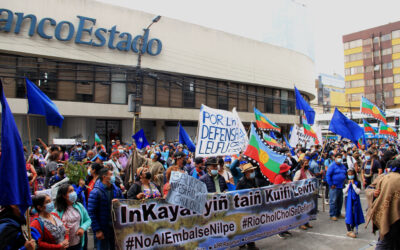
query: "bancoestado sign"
48, 28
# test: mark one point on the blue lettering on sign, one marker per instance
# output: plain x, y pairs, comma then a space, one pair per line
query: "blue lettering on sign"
85, 33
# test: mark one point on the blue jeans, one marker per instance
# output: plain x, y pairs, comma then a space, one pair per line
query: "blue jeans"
108, 243
335, 201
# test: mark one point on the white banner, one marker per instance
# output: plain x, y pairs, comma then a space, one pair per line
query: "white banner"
220, 133
298, 137
64, 141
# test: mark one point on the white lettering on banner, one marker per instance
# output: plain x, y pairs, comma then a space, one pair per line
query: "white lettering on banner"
220, 133
187, 191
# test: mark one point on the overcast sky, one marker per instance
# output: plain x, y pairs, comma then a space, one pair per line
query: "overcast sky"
313, 27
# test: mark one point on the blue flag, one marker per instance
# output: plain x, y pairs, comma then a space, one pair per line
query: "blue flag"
140, 139
302, 104
341, 125
184, 138
40, 104
271, 133
288, 144
13, 178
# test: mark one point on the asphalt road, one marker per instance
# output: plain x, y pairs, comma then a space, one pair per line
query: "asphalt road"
325, 234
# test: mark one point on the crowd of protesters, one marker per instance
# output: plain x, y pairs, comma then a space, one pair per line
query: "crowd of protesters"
63, 217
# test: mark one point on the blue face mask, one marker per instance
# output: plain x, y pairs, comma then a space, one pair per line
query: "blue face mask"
33, 211
214, 172
49, 207
152, 156
367, 157
72, 197
79, 149
252, 175
288, 172
351, 177
88, 172
40, 151
339, 160
112, 180
120, 151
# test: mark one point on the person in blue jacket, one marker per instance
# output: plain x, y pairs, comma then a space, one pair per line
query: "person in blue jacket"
78, 154
336, 176
99, 207
236, 171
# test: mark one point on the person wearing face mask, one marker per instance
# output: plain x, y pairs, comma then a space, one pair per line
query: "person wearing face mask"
52, 230
99, 207
370, 167
284, 175
246, 182
215, 182
335, 176
198, 171
354, 213
93, 174
302, 174
144, 188
74, 216
78, 154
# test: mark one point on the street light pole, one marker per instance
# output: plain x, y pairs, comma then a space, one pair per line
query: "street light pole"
139, 76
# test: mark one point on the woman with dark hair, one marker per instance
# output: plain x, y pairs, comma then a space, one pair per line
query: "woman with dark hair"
51, 168
73, 214
144, 188
53, 234
93, 174
354, 213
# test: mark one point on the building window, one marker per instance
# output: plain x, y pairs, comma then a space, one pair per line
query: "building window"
388, 80
277, 100
396, 92
378, 81
396, 63
376, 39
367, 55
356, 70
396, 48
387, 66
395, 34
386, 37
284, 103
189, 95
388, 94
223, 95
369, 68
370, 82
118, 87
396, 78
377, 67
376, 53
367, 41
387, 51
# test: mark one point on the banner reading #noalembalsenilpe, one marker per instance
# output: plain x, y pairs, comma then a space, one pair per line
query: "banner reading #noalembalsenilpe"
229, 219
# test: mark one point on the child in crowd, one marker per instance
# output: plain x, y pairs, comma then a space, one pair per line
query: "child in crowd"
354, 213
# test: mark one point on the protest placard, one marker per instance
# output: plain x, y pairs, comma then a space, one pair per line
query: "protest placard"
220, 132
229, 219
299, 137
62, 141
187, 191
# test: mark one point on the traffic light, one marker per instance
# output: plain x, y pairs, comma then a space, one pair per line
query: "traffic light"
396, 121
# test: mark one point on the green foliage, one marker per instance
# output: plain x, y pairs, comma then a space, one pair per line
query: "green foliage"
75, 171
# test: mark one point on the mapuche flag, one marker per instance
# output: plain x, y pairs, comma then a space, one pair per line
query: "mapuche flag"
385, 129
264, 124
268, 160
308, 130
369, 108
271, 141
368, 128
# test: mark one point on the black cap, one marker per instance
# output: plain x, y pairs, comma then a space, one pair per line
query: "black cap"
198, 160
179, 155
211, 161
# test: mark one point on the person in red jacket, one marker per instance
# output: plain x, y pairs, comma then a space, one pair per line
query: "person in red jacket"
284, 175
52, 230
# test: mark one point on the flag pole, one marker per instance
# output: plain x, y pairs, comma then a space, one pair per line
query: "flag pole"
28, 223
179, 129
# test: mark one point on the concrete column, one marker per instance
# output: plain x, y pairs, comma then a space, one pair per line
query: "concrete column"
160, 130
53, 132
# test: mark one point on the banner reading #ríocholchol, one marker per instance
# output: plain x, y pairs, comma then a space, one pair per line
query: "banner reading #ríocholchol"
229, 219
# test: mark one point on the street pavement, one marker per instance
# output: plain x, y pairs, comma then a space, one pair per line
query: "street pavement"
324, 235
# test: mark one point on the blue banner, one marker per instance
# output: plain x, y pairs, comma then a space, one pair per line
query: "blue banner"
228, 220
